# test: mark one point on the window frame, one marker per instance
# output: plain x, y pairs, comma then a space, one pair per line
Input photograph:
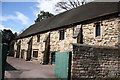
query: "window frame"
97, 30
61, 34
38, 38
35, 53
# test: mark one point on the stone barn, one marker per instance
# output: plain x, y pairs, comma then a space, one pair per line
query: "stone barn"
92, 23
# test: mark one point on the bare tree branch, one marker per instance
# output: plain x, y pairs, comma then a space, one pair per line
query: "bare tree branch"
69, 4
78, 2
72, 3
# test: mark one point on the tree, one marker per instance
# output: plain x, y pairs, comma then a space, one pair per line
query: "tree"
15, 34
7, 39
43, 15
68, 4
7, 36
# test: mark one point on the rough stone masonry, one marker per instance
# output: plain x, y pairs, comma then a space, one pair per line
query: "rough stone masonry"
110, 36
95, 62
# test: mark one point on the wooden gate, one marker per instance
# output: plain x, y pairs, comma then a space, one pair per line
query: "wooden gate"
63, 65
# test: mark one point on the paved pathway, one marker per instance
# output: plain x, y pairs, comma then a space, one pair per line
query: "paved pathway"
18, 68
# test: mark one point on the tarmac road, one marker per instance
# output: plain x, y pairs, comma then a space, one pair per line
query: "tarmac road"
19, 69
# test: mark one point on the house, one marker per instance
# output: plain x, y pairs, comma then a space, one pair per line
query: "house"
92, 23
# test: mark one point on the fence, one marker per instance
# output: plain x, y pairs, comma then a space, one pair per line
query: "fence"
95, 62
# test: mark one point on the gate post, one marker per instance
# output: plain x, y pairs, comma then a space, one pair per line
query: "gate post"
0, 55
4, 57
0, 61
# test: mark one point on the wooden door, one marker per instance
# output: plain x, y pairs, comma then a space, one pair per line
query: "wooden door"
47, 50
22, 53
80, 36
18, 49
29, 52
52, 58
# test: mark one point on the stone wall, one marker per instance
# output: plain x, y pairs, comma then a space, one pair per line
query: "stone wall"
62, 45
40, 46
15, 48
23, 45
109, 33
95, 62
110, 30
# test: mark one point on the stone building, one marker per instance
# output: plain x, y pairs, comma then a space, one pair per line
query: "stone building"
92, 23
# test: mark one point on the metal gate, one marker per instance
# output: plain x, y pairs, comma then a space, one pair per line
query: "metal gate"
63, 65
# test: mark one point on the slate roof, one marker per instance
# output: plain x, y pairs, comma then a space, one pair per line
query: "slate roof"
85, 12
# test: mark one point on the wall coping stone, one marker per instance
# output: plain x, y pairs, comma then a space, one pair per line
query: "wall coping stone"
95, 46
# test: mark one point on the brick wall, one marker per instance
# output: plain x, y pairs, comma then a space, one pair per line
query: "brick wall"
95, 62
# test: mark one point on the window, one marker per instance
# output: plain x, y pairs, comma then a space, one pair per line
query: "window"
62, 33
35, 54
76, 32
98, 29
38, 38
46, 37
